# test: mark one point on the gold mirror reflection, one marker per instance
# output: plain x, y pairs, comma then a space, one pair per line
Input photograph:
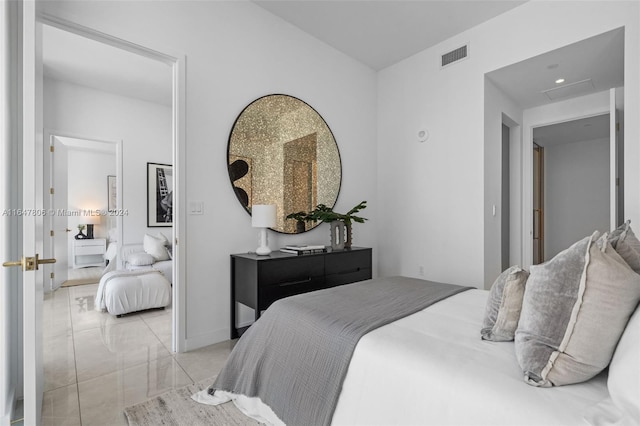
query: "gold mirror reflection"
282, 152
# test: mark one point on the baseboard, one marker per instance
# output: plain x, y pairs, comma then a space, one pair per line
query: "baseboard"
207, 339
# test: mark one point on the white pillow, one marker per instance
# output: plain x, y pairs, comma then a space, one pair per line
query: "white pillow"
140, 259
624, 370
155, 247
163, 238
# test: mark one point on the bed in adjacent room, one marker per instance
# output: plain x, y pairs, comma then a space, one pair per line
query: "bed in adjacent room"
574, 360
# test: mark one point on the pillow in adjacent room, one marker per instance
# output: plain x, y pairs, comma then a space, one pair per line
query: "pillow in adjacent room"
574, 311
140, 259
155, 247
504, 305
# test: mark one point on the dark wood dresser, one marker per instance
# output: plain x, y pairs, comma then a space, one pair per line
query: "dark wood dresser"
258, 281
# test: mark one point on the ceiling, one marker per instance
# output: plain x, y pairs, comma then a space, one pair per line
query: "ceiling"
588, 66
380, 33
582, 130
79, 60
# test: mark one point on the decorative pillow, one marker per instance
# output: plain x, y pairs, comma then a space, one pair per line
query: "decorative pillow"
140, 259
574, 310
503, 305
163, 238
624, 371
628, 246
155, 247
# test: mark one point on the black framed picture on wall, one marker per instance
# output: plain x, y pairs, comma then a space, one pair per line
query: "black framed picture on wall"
159, 195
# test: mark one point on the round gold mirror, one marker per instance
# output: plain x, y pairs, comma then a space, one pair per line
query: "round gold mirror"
282, 152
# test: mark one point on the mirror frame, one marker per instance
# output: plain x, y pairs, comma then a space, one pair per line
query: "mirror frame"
310, 225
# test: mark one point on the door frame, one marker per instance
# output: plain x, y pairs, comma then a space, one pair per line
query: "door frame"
177, 62
527, 176
49, 174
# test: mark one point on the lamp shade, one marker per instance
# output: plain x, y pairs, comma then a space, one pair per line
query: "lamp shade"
263, 215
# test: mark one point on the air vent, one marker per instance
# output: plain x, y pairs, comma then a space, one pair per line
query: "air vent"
455, 55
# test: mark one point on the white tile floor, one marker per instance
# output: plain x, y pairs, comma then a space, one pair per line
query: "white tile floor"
95, 364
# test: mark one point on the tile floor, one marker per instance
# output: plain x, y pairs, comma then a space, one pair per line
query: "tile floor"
95, 364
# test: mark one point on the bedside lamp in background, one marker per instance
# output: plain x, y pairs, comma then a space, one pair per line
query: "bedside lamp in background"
90, 222
263, 216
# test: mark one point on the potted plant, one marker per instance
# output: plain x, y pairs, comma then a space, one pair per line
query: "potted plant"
326, 214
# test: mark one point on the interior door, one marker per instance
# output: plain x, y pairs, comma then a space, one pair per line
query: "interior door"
32, 212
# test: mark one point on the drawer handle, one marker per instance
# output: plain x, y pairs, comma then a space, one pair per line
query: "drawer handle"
294, 282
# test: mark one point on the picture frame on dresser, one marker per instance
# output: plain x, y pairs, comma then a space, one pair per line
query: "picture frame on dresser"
159, 195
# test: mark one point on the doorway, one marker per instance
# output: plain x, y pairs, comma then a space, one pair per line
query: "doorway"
83, 174
571, 183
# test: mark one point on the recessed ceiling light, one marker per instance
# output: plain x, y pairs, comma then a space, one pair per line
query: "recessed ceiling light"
560, 80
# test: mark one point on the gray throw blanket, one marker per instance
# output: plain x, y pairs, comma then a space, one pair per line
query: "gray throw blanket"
296, 356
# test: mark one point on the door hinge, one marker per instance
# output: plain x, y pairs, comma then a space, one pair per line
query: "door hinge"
53, 275
51, 191
51, 233
51, 148
618, 126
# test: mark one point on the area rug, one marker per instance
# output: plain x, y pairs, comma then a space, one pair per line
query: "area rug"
176, 408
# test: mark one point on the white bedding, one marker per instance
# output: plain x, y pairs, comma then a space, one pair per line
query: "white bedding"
432, 368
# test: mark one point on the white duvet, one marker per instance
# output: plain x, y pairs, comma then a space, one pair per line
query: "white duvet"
432, 368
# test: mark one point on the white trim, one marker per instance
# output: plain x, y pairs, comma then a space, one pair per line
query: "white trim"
178, 64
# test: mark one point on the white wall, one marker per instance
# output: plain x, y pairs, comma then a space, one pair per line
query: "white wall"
143, 127
87, 185
576, 193
498, 109
236, 52
433, 194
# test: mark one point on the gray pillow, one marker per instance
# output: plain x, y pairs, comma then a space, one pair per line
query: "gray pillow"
628, 246
503, 305
574, 310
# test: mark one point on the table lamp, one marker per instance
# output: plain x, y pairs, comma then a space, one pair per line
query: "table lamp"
263, 216
90, 222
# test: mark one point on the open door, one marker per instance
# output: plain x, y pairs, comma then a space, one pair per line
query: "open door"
26, 187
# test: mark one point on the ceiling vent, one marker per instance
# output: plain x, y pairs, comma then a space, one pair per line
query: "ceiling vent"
455, 55
570, 90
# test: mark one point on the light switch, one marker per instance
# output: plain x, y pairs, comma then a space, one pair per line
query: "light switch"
196, 207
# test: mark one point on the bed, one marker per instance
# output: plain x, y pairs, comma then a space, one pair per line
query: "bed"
558, 344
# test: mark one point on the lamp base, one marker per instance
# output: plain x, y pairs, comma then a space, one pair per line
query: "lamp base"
263, 249
89, 231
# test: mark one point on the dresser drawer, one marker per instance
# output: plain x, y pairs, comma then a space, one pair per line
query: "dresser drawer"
279, 291
87, 250
291, 271
348, 262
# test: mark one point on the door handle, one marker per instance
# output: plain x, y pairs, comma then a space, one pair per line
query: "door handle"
29, 263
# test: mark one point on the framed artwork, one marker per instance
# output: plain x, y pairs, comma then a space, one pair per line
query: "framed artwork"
159, 195
111, 193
